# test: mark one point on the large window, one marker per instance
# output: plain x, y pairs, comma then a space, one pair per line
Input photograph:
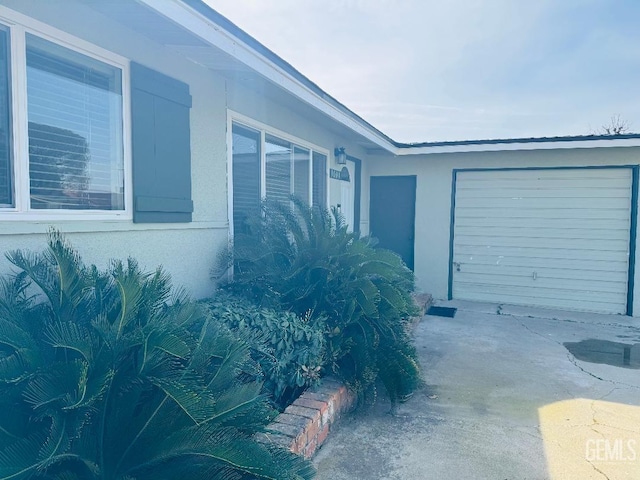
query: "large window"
289, 169
62, 147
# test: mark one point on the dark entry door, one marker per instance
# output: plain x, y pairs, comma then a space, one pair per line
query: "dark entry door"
392, 214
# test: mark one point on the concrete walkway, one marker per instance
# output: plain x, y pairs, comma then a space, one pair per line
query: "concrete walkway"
505, 400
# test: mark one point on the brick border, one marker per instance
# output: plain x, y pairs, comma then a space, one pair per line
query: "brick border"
305, 424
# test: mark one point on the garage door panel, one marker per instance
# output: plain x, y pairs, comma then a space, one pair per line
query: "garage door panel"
592, 305
589, 193
543, 295
539, 203
548, 174
504, 279
559, 213
546, 243
548, 232
540, 275
557, 238
463, 251
581, 265
556, 223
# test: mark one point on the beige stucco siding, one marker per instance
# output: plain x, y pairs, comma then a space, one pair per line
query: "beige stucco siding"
434, 189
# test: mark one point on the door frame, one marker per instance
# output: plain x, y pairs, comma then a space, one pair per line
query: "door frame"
413, 217
357, 191
633, 226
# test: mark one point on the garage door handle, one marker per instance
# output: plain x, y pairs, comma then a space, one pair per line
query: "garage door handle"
457, 265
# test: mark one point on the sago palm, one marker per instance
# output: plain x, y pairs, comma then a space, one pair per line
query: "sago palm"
110, 375
306, 260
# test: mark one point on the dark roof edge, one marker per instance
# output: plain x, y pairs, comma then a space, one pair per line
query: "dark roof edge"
233, 29
569, 138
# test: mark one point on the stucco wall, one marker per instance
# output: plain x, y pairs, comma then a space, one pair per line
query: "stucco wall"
187, 251
433, 196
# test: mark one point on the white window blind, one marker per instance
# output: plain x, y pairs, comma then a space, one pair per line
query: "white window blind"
301, 173
278, 169
319, 180
6, 190
246, 175
75, 130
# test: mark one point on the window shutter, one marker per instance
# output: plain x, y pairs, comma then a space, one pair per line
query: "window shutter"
161, 144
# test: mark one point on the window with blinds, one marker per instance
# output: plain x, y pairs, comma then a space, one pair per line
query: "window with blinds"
278, 169
6, 188
246, 175
288, 168
319, 180
301, 173
74, 106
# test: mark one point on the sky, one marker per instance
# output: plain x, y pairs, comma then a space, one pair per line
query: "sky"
426, 70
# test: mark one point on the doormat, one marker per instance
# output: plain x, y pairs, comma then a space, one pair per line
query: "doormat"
448, 312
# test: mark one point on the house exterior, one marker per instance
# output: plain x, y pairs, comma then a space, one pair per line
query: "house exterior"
543, 222
150, 128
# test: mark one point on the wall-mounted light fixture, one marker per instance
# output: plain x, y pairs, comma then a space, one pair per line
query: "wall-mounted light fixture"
341, 155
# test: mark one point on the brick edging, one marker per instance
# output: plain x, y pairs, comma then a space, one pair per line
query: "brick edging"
304, 425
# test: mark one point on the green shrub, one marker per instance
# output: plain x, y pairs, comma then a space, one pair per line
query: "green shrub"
110, 375
289, 348
306, 261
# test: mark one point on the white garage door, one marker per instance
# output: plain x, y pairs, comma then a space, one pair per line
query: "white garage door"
550, 238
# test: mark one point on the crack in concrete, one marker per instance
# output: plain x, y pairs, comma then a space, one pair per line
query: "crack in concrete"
574, 361
597, 469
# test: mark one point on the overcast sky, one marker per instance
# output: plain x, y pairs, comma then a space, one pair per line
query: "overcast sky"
426, 70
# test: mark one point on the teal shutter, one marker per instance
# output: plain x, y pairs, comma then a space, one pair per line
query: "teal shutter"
161, 147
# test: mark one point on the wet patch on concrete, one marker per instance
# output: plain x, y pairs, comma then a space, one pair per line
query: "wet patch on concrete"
618, 354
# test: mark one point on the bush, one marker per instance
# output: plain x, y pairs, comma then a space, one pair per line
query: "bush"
306, 261
108, 375
289, 348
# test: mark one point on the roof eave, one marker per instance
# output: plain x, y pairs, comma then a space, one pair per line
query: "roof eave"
541, 143
213, 28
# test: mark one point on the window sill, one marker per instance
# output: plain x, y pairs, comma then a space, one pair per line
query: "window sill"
29, 227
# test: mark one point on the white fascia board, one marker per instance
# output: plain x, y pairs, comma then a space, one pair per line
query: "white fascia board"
508, 146
216, 36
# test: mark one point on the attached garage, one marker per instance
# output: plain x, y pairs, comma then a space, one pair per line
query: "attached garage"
546, 237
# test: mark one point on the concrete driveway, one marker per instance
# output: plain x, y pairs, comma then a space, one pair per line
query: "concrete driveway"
505, 400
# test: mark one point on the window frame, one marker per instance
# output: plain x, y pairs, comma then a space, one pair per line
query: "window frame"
264, 130
18, 26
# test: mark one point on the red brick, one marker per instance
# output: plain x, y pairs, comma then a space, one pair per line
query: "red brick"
309, 450
289, 419
310, 403
312, 430
301, 442
312, 395
322, 435
303, 412
285, 429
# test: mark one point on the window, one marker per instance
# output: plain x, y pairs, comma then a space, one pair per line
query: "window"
288, 167
6, 188
62, 146
75, 130
246, 173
